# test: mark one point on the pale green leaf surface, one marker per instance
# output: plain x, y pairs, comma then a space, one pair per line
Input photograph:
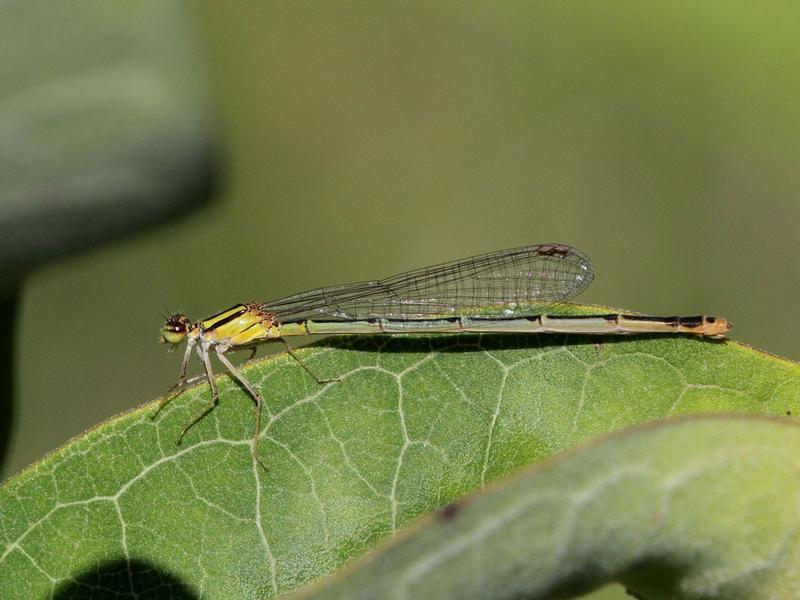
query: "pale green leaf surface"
697, 508
415, 423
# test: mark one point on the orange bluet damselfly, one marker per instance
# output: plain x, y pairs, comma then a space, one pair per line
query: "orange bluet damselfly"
500, 292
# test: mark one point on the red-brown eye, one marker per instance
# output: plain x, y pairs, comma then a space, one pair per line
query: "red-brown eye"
174, 330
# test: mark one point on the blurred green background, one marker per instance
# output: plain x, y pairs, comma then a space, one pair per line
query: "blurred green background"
361, 139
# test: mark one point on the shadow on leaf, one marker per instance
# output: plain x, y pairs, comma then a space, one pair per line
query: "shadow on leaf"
482, 342
122, 578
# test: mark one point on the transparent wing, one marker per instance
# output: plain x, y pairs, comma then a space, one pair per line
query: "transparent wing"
504, 282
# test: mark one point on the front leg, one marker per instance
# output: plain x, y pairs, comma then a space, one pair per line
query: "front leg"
175, 389
202, 351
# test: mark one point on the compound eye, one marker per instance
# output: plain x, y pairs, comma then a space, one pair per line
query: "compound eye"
174, 330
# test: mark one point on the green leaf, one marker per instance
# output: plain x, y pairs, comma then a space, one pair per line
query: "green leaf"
415, 423
697, 508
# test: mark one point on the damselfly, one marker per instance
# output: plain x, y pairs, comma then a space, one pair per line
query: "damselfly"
507, 291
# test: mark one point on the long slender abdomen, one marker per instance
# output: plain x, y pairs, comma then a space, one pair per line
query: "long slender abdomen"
609, 324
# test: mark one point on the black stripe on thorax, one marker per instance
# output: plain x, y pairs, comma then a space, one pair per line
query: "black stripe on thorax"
234, 315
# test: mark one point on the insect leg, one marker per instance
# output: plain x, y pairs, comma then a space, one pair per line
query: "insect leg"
202, 350
256, 398
175, 389
302, 364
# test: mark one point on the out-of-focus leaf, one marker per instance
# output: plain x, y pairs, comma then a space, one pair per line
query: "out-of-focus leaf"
695, 509
103, 124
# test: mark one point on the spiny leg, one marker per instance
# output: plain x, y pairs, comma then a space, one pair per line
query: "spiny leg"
175, 389
302, 364
202, 350
256, 398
